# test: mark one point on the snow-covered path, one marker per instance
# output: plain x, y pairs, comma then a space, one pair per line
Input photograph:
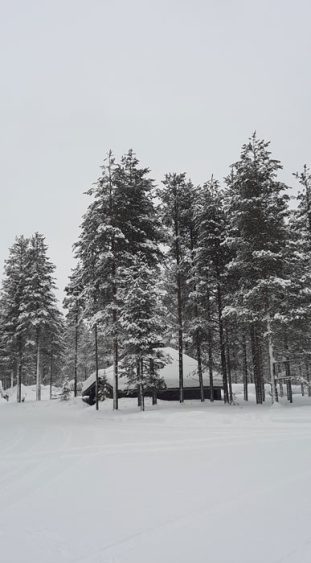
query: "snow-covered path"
182, 484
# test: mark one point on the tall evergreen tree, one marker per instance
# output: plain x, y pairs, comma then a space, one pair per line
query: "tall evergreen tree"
40, 312
14, 327
173, 211
120, 223
211, 261
74, 304
258, 209
142, 326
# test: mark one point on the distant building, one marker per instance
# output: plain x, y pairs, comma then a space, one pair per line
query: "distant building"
169, 374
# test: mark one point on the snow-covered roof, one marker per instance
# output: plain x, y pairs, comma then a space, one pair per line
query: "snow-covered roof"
169, 372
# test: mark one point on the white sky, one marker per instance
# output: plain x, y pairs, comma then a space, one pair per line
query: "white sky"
184, 83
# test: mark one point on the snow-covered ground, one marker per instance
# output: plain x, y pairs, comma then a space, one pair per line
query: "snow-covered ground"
29, 393
185, 483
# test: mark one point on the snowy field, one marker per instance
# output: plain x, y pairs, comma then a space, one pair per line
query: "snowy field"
177, 483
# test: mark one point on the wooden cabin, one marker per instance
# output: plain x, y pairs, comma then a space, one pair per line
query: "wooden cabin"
169, 374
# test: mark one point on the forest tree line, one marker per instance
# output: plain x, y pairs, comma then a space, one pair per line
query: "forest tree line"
219, 271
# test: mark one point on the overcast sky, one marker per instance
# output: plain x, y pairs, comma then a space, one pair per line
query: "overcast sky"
184, 83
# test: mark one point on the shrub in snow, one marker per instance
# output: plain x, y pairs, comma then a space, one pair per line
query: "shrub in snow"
65, 393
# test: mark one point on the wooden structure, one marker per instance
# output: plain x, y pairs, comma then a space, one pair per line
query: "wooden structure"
169, 375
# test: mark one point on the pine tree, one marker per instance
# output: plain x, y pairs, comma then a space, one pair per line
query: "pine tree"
120, 223
74, 305
258, 209
211, 261
194, 323
172, 211
40, 312
13, 326
98, 250
142, 325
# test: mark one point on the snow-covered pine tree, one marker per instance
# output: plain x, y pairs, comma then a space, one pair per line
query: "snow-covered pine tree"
120, 222
73, 303
142, 325
194, 322
98, 250
293, 321
53, 350
172, 211
258, 208
40, 312
210, 260
14, 329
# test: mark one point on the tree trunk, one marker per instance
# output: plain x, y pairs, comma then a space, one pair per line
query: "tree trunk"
154, 390
19, 374
141, 402
302, 384
228, 359
271, 360
38, 369
96, 365
308, 378
256, 363
288, 382
245, 374
200, 374
196, 316
115, 374
179, 302
260, 364
76, 356
281, 389
180, 341
51, 375
115, 390
222, 344
115, 345
210, 349
287, 370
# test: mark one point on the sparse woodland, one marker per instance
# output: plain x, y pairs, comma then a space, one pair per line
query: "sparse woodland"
221, 271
